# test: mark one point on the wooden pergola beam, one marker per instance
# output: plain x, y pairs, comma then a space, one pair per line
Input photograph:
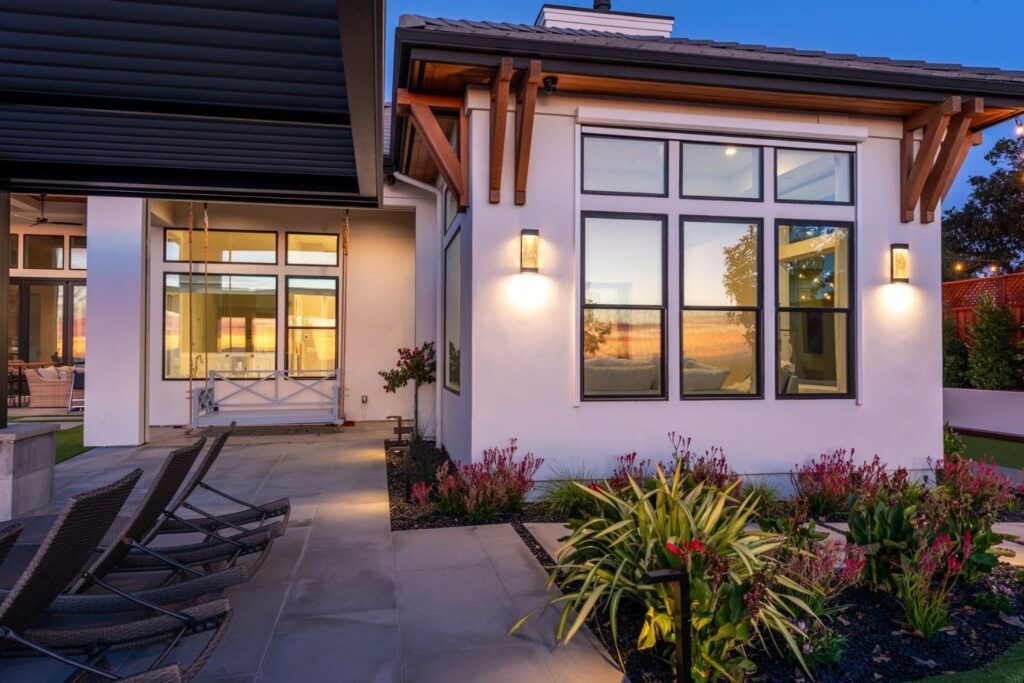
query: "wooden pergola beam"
499, 122
915, 168
432, 100
955, 146
526, 107
440, 149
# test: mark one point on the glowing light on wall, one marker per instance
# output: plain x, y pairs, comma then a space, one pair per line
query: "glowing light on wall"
529, 251
900, 263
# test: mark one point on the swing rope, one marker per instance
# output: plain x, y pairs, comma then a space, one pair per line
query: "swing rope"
191, 362
345, 233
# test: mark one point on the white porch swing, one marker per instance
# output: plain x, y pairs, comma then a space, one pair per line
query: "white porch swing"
250, 397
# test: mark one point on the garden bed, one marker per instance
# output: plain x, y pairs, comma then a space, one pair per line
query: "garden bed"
877, 645
406, 516
876, 642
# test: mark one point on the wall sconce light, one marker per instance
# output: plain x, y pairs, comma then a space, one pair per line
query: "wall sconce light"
529, 246
900, 263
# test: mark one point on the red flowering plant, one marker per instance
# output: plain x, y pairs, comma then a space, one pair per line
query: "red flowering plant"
829, 481
710, 469
416, 365
965, 503
484, 489
826, 569
928, 573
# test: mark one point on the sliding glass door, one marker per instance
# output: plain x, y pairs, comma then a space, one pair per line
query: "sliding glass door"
47, 321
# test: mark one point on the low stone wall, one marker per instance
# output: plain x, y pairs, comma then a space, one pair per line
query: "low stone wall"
26, 468
999, 412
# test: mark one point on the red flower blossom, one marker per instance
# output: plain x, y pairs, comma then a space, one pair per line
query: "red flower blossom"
694, 546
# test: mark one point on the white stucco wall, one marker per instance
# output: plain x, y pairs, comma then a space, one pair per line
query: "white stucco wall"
524, 353
381, 306
115, 414
1000, 412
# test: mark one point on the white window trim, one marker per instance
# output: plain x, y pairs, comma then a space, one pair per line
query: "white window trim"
721, 125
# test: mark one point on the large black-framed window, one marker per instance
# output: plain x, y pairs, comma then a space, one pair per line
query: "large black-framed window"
623, 306
815, 292
219, 322
814, 176
311, 342
451, 360
721, 170
619, 165
721, 307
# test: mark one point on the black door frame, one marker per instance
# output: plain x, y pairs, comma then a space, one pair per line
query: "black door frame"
23, 284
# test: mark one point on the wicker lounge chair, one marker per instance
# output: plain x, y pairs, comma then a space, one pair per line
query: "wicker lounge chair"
8, 535
250, 514
51, 390
126, 550
59, 560
146, 517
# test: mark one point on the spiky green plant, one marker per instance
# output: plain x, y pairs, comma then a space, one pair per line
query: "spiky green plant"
561, 495
738, 592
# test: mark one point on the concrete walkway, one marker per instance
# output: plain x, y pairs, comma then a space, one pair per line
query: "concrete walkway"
341, 597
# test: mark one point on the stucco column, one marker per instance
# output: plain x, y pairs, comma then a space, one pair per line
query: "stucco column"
115, 394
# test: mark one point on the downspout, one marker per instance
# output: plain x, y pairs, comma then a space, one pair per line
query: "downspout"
438, 320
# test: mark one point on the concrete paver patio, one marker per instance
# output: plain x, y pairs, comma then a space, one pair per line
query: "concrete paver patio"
341, 597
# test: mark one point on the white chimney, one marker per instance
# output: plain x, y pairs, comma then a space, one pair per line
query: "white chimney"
601, 18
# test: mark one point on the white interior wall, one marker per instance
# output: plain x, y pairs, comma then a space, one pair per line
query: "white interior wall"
523, 325
381, 304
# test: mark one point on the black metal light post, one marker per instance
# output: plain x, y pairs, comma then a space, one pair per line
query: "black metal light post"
680, 580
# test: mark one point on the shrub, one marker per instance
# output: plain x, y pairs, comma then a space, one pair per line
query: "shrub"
735, 580
563, 497
825, 571
967, 498
420, 493
826, 484
927, 575
955, 370
822, 647
710, 468
771, 503
423, 460
483, 490
992, 359
952, 443
883, 525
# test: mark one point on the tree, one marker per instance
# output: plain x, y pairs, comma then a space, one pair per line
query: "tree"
992, 358
416, 365
989, 228
954, 356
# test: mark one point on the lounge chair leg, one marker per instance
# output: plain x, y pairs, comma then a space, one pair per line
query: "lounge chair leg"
11, 635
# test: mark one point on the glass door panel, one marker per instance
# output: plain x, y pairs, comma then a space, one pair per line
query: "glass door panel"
46, 323
78, 323
13, 309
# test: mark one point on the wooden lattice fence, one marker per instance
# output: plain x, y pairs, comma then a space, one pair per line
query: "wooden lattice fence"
959, 298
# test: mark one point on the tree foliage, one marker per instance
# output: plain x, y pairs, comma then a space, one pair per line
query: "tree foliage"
992, 359
989, 227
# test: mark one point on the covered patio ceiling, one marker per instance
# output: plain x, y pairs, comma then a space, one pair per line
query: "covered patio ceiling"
247, 100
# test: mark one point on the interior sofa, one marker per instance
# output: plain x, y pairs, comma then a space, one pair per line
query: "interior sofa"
605, 375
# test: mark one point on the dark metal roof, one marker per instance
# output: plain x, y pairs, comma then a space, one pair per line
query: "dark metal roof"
602, 45
218, 98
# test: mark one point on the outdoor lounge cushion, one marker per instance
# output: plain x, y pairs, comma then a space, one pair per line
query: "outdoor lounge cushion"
701, 377
606, 375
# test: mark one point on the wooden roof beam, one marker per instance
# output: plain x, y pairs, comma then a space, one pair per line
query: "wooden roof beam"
915, 168
448, 163
955, 146
526, 107
432, 100
499, 121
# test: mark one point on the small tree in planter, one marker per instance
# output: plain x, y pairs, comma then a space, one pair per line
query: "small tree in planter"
416, 365
993, 361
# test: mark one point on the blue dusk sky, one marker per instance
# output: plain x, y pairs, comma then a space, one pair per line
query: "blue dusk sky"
969, 32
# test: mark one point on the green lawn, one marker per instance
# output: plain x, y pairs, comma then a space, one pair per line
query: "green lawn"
69, 443
1007, 668
1005, 453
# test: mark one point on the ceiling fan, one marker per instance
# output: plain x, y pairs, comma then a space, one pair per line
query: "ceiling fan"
43, 220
